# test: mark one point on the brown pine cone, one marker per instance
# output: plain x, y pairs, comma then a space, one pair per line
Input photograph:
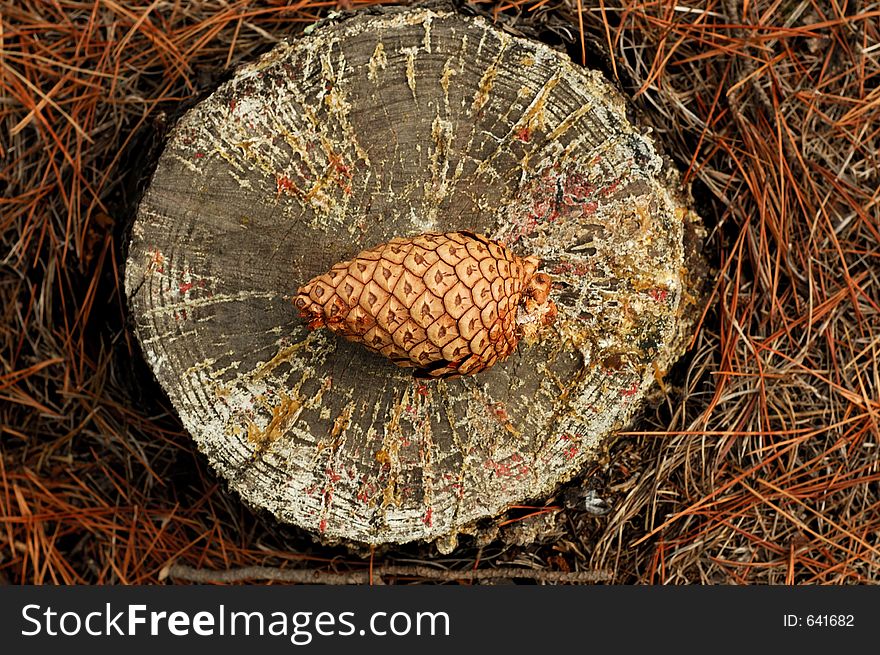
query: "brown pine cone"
447, 304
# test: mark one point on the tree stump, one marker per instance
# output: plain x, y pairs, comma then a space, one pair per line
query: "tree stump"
393, 123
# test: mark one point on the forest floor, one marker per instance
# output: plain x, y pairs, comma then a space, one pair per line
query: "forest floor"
760, 462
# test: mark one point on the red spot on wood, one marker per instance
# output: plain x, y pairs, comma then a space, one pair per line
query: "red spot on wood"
611, 188
367, 491
285, 184
570, 452
491, 465
524, 135
503, 470
343, 173
564, 267
576, 189
631, 391
199, 155
322, 526
422, 389
499, 412
659, 294
541, 207
429, 517
157, 261
186, 286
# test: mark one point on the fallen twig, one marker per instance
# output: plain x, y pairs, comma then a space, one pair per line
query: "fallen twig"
182, 572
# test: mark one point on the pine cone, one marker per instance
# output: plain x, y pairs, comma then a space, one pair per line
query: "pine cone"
446, 304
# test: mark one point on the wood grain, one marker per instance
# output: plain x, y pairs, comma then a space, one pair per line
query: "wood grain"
390, 124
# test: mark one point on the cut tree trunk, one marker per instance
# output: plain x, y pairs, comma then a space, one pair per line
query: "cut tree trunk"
385, 124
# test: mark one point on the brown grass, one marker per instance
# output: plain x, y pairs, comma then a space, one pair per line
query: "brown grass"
759, 466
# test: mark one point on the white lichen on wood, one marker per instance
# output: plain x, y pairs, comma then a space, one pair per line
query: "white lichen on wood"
390, 124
